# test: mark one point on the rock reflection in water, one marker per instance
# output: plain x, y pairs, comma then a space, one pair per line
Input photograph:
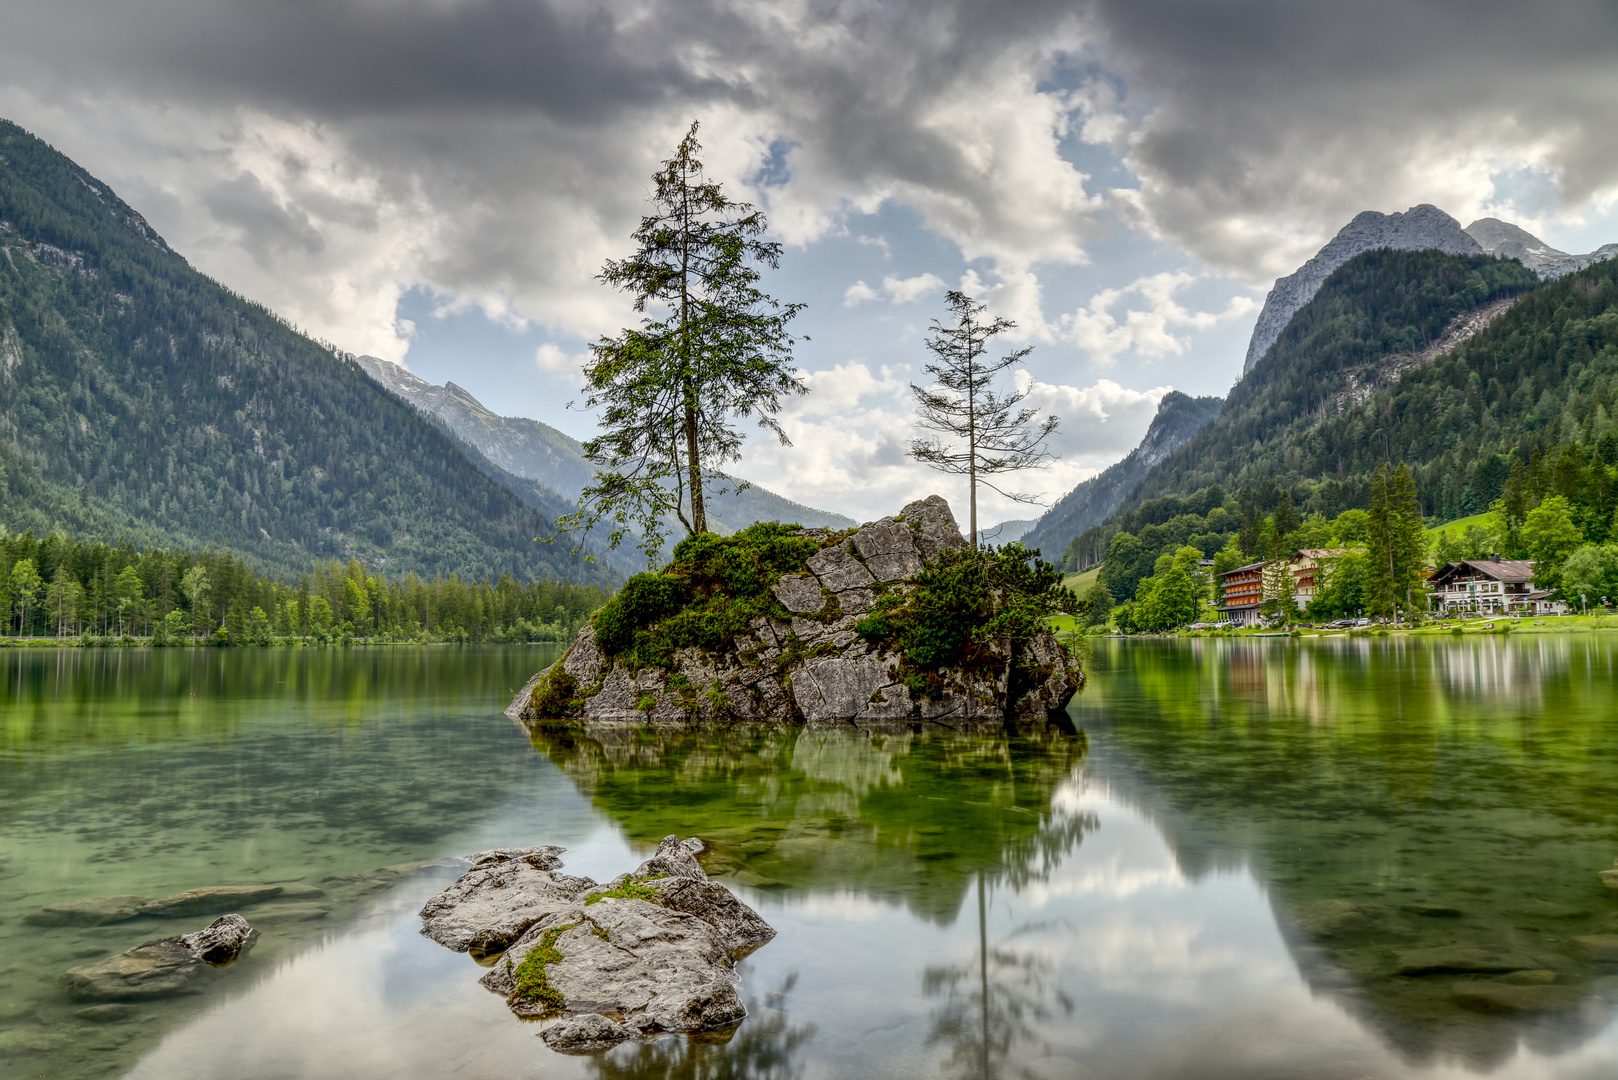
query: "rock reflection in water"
767, 1046
1428, 817
912, 816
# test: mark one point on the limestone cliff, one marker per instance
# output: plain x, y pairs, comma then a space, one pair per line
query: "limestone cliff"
816, 643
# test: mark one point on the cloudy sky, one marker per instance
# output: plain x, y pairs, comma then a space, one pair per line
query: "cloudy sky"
437, 181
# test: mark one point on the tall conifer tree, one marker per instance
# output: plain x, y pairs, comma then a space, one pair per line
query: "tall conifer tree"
668, 390
985, 433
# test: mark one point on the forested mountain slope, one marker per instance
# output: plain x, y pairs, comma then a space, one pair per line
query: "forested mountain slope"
1318, 406
141, 400
1178, 418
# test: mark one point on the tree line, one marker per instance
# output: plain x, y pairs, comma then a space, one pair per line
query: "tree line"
57, 587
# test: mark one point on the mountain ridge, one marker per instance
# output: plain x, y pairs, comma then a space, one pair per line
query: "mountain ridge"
1179, 417
540, 453
142, 400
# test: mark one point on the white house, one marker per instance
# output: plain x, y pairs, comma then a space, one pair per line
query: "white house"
1492, 586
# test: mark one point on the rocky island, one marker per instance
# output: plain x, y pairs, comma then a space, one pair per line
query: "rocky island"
897, 621
651, 951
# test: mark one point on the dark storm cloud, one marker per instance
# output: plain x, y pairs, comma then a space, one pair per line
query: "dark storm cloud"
514, 137
1274, 115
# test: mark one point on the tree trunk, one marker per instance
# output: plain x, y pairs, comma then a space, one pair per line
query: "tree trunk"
699, 513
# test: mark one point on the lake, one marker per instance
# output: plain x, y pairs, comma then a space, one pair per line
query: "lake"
1255, 859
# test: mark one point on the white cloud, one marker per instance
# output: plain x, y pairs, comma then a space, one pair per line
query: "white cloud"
852, 432
895, 290
551, 358
1104, 332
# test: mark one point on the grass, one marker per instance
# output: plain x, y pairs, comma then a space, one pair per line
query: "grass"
532, 985
1459, 525
634, 889
1081, 581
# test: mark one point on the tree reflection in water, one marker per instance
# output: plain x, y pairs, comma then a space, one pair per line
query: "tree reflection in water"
765, 1047
992, 1003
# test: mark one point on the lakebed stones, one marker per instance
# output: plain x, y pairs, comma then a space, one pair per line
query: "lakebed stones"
649, 952
102, 910
165, 967
815, 666
210, 900
96, 911
1609, 878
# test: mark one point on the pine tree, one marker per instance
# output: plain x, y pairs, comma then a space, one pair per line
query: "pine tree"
1381, 592
668, 390
1409, 540
985, 433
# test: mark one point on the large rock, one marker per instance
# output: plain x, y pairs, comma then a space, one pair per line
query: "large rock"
813, 665
491, 905
660, 970
650, 952
165, 967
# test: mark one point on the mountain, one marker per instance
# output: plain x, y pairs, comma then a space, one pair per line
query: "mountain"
141, 400
539, 453
1420, 227
514, 443
1315, 406
1506, 241
1007, 531
1179, 417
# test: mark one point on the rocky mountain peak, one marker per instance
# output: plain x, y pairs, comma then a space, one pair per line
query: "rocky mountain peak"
1420, 227
1507, 241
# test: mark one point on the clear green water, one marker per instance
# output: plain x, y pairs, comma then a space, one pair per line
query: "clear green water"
1145, 894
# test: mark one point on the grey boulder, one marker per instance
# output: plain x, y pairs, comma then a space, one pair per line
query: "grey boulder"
659, 957
165, 967
662, 970
585, 1033
491, 905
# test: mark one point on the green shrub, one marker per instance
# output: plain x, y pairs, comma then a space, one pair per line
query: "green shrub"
967, 606
554, 694
713, 589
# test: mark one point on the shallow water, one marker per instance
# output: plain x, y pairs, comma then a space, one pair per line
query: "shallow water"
1214, 872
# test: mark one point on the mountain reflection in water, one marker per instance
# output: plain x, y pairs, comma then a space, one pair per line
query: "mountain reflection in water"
1214, 872
1407, 804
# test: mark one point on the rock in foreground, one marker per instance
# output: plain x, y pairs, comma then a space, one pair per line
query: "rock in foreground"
894, 622
649, 952
164, 967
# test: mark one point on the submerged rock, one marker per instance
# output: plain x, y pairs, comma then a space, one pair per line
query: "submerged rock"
1609, 878
649, 952
811, 660
1602, 948
585, 1034
210, 900
96, 911
1506, 997
164, 967
1461, 959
